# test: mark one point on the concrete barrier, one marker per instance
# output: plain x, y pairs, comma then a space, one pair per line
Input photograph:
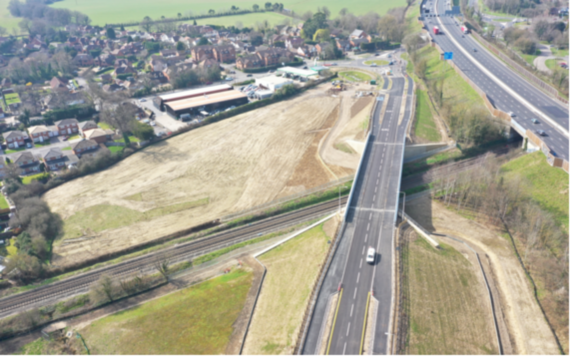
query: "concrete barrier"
423, 232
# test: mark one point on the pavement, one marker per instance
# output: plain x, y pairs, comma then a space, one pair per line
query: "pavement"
503, 97
369, 223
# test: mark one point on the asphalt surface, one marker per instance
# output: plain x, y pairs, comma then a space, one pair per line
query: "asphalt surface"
502, 99
369, 223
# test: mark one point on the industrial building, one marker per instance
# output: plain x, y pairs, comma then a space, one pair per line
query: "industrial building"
197, 104
272, 83
160, 100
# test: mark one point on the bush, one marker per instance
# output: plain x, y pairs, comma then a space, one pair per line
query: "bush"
76, 111
142, 131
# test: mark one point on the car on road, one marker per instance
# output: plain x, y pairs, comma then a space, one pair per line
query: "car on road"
305, 67
511, 114
334, 64
534, 121
541, 132
374, 65
391, 62
142, 100
371, 255
389, 56
229, 79
474, 49
249, 75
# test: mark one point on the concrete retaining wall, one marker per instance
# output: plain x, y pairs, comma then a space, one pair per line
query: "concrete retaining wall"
413, 152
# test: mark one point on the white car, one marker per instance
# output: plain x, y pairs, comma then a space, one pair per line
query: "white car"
371, 255
373, 65
152, 123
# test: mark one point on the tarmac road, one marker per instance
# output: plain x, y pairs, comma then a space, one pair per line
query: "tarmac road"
370, 223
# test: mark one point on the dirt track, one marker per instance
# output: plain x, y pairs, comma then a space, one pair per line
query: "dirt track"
238, 163
528, 329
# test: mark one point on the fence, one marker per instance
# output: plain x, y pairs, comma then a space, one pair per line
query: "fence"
287, 198
521, 70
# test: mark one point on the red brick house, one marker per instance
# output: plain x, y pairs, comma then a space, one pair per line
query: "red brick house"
84, 146
248, 61
15, 139
86, 126
99, 135
40, 133
67, 126
54, 159
26, 162
274, 56
199, 53
225, 53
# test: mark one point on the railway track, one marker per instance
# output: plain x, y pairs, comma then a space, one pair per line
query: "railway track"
177, 253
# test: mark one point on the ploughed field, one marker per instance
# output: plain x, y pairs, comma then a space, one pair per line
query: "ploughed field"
196, 177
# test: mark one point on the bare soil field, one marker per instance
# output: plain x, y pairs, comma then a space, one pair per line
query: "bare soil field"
197, 177
528, 330
446, 302
291, 273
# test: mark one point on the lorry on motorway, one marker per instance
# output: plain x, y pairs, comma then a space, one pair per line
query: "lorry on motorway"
464, 29
436, 30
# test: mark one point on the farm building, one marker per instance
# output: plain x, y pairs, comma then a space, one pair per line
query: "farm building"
205, 102
161, 100
291, 71
272, 83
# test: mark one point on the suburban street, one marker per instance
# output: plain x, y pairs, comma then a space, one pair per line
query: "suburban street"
370, 223
506, 99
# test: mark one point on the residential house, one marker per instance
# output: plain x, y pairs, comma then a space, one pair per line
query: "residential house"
86, 126
322, 47
343, 45
248, 61
15, 139
199, 53
274, 56
58, 83
225, 53
99, 135
67, 126
3, 167
294, 42
208, 63
106, 79
83, 60
111, 88
123, 71
106, 60
122, 62
26, 162
40, 133
355, 42
160, 77
168, 53
84, 146
359, 34
54, 159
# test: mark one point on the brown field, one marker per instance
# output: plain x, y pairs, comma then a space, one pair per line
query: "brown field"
197, 177
529, 332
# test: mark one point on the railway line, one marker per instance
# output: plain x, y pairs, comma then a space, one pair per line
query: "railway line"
177, 253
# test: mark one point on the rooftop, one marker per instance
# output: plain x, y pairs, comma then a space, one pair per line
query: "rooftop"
205, 100
296, 71
174, 96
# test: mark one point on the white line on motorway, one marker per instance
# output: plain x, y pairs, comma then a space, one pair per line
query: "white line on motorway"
368, 227
355, 290
360, 263
363, 249
348, 329
351, 309
344, 349
366, 238
358, 277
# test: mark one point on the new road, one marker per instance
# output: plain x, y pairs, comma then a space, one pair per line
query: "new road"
506, 89
51, 293
370, 222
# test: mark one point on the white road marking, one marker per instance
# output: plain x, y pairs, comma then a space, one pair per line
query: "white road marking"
344, 349
366, 238
368, 227
348, 329
358, 277
354, 296
363, 249
351, 310
360, 263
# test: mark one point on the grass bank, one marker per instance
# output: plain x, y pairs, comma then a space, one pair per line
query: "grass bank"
447, 312
355, 76
196, 320
292, 269
424, 124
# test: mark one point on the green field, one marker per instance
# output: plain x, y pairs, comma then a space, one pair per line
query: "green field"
355, 76
195, 320
424, 126
445, 303
110, 11
412, 19
3, 202
6, 19
12, 98
559, 52
548, 185
551, 63
247, 20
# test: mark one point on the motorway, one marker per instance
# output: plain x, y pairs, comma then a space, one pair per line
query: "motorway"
503, 97
370, 222
50, 293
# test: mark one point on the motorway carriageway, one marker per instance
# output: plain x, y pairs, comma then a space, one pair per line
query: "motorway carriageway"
370, 223
56, 291
556, 140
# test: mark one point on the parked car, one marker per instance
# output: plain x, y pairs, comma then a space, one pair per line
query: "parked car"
249, 75
229, 79
152, 123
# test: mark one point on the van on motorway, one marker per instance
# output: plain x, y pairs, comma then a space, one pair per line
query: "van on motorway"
371, 255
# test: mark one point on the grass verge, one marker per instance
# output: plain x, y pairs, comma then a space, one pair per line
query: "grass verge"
378, 62
196, 320
444, 303
425, 126
291, 271
355, 76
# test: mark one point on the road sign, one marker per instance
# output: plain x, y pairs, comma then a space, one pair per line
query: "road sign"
447, 56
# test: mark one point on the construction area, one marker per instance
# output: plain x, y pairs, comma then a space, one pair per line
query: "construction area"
521, 324
210, 172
